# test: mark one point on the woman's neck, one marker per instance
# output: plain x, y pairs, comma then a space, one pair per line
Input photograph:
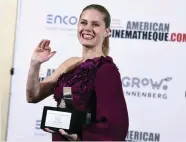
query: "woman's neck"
90, 54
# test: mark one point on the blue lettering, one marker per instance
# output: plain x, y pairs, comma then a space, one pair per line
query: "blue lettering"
57, 19
65, 20
73, 20
49, 19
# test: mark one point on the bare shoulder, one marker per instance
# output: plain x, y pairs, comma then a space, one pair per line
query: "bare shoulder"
64, 67
74, 58
55, 75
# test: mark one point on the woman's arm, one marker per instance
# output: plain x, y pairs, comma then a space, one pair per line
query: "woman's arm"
111, 111
37, 91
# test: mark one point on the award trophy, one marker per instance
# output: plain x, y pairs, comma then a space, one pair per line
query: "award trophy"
65, 116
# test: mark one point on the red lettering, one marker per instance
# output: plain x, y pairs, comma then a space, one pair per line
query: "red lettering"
179, 37
173, 37
184, 37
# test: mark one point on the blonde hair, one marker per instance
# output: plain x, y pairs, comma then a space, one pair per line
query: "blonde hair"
105, 47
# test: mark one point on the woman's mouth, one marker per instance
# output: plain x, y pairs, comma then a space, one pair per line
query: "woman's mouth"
87, 36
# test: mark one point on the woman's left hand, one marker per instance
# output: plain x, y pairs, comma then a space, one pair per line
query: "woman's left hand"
71, 137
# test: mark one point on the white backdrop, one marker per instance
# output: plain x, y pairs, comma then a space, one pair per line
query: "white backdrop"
153, 72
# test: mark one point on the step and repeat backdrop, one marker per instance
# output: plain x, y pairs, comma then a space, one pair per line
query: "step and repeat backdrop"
148, 44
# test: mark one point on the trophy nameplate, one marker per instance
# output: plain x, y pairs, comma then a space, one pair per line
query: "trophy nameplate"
65, 116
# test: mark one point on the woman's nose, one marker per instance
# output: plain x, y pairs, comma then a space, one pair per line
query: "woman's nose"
88, 27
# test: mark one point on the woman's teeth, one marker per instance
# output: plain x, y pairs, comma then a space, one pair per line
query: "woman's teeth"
86, 36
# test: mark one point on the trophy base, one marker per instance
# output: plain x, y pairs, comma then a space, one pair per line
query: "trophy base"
70, 120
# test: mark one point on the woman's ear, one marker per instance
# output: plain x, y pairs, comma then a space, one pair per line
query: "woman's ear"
107, 32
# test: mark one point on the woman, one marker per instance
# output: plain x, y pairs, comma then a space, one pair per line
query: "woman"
94, 79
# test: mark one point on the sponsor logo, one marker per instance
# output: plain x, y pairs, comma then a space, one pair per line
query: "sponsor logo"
38, 123
38, 131
143, 30
137, 136
62, 20
65, 23
146, 87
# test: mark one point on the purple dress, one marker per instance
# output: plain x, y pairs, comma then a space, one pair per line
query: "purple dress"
96, 86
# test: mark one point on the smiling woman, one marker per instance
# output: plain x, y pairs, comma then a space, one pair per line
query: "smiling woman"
94, 81
98, 19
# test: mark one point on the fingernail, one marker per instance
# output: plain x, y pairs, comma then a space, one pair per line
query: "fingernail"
61, 131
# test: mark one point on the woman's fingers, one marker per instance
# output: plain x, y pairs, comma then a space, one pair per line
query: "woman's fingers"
48, 43
48, 130
71, 137
48, 48
40, 43
45, 43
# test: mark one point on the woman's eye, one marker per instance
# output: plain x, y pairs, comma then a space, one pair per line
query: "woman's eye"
83, 22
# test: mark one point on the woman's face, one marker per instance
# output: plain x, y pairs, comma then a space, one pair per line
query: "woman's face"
91, 28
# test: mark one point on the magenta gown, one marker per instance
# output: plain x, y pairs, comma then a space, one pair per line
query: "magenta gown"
96, 87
